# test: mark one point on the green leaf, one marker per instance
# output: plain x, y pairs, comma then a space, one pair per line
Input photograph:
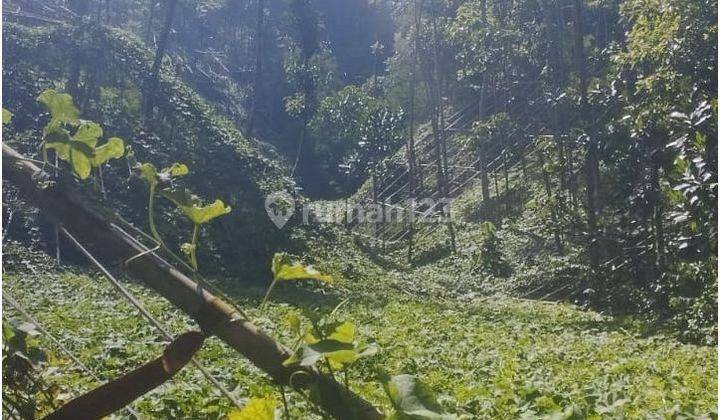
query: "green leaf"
7, 331
192, 207
60, 106
203, 214
256, 409
413, 399
80, 156
338, 348
58, 139
176, 170
88, 133
344, 333
79, 150
6, 116
77, 153
342, 358
292, 322
283, 270
148, 172
309, 354
188, 248
113, 149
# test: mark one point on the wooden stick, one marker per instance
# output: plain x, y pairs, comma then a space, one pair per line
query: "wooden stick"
114, 395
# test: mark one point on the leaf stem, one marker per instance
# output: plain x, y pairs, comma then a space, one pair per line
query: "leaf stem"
193, 248
267, 294
286, 410
151, 217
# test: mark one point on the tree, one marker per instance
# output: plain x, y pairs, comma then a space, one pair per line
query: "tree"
159, 54
259, 32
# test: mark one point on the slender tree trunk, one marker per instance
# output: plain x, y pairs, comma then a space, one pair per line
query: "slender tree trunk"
411, 158
553, 212
376, 201
484, 181
150, 22
497, 185
438, 126
159, 54
81, 9
591, 157
259, 31
482, 152
657, 204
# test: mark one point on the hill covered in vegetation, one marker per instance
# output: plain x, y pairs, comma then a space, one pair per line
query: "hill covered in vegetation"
403, 209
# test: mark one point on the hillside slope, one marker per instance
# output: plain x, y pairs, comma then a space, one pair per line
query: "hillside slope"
110, 68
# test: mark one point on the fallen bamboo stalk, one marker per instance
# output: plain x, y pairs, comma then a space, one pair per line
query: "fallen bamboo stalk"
213, 315
114, 395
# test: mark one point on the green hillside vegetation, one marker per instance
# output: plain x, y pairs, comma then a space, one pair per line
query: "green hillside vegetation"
501, 357
191, 149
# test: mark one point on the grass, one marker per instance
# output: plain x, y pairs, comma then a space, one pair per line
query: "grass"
495, 358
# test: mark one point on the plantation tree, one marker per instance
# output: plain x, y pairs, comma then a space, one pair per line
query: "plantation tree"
170, 5
358, 131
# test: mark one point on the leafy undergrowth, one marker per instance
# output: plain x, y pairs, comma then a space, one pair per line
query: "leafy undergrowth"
494, 358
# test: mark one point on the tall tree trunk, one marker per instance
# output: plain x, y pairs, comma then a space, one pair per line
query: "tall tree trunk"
482, 152
159, 54
150, 22
657, 203
438, 127
259, 31
411, 158
591, 155
553, 212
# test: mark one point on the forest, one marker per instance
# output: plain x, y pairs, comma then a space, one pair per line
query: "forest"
359, 209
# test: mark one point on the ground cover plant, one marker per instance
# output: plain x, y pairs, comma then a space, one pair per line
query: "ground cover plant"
504, 357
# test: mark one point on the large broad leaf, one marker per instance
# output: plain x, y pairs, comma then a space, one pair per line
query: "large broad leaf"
113, 149
60, 106
412, 399
80, 159
191, 205
58, 138
6, 116
78, 150
77, 153
256, 409
284, 269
